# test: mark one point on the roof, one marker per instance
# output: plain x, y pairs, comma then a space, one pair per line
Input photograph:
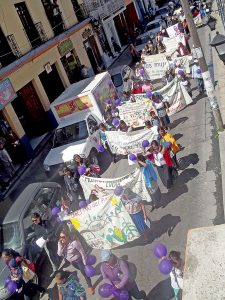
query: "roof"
79, 87
116, 70
24, 200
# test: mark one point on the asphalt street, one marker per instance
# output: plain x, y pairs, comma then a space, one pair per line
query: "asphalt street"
194, 201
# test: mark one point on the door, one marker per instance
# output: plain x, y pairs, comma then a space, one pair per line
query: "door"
52, 83
72, 67
30, 111
28, 24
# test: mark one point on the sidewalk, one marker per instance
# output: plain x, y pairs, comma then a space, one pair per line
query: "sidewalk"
219, 79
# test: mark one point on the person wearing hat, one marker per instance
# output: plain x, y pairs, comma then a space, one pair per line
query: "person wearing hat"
197, 75
116, 270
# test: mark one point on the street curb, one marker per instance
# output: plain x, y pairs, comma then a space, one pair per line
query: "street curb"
222, 162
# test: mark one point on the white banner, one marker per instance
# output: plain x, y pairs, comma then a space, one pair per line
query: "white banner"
172, 43
129, 142
105, 223
173, 30
106, 186
155, 65
184, 62
175, 94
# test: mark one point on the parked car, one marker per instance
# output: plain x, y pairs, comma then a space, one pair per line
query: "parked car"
37, 197
162, 12
153, 27
141, 41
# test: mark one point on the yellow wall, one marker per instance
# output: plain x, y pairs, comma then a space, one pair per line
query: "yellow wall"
11, 24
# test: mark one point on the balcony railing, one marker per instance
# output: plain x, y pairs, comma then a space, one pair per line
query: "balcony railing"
41, 31
104, 7
13, 45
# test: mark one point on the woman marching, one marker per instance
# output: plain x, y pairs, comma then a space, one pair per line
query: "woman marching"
103, 140
150, 178
160, 104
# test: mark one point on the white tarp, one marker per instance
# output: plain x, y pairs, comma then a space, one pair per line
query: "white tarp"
129, 142
105, 223
106, 186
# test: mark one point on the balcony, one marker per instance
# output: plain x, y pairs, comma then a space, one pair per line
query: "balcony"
103, 8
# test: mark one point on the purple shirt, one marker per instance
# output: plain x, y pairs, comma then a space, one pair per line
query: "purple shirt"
117, 274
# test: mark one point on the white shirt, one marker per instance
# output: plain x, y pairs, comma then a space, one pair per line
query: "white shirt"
176, 276
159, 159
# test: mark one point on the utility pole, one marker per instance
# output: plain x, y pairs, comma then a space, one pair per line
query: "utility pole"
209, 86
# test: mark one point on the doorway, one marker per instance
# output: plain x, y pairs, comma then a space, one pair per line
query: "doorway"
93, 53
72, 66
28, 24
52, 83
30, 111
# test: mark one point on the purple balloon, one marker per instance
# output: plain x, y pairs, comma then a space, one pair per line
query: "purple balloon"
148, 94
116, 293
100, 148
142, 72
199, 71
105, 290
145, 144
81, 170
108, 101
180, 72
58, 220
160, 250
165, 266
55, 211
83, 204
124, 295
132, 157
91, 260
90, 271
11, 286
116, 122
113, 111
117, 102
118, 190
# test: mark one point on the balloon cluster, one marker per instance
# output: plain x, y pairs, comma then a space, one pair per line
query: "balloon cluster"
165, 266
90, 271
81, 170
106, 290
11, 285
55, 212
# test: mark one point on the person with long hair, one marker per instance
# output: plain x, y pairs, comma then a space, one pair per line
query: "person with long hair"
163, 162
14, 262
150, 180
72, 250
161, 105
176, 275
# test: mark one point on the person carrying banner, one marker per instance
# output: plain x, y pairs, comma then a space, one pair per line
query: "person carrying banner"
72, 250
150, 178
160, 104
103, 140
116, 270
137, 211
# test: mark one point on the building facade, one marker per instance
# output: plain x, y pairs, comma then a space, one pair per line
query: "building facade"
43, 46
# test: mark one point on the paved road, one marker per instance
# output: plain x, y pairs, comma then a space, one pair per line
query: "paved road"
194, 201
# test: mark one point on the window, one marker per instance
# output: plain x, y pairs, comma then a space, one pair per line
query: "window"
70, 134
92, 124
117, 80
10, 234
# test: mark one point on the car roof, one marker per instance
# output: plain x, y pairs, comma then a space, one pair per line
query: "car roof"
152, 22
116, 70
28, 194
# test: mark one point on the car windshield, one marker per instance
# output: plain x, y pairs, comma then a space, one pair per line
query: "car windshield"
162, 11
117, 80
10, 236
153, 26
69, 134
142, 40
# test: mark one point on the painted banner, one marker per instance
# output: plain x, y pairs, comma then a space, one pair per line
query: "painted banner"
73, 106
155, 65
174, 93
184, 62
129, 142
104, 223
105, 186
7, 93
172, 43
